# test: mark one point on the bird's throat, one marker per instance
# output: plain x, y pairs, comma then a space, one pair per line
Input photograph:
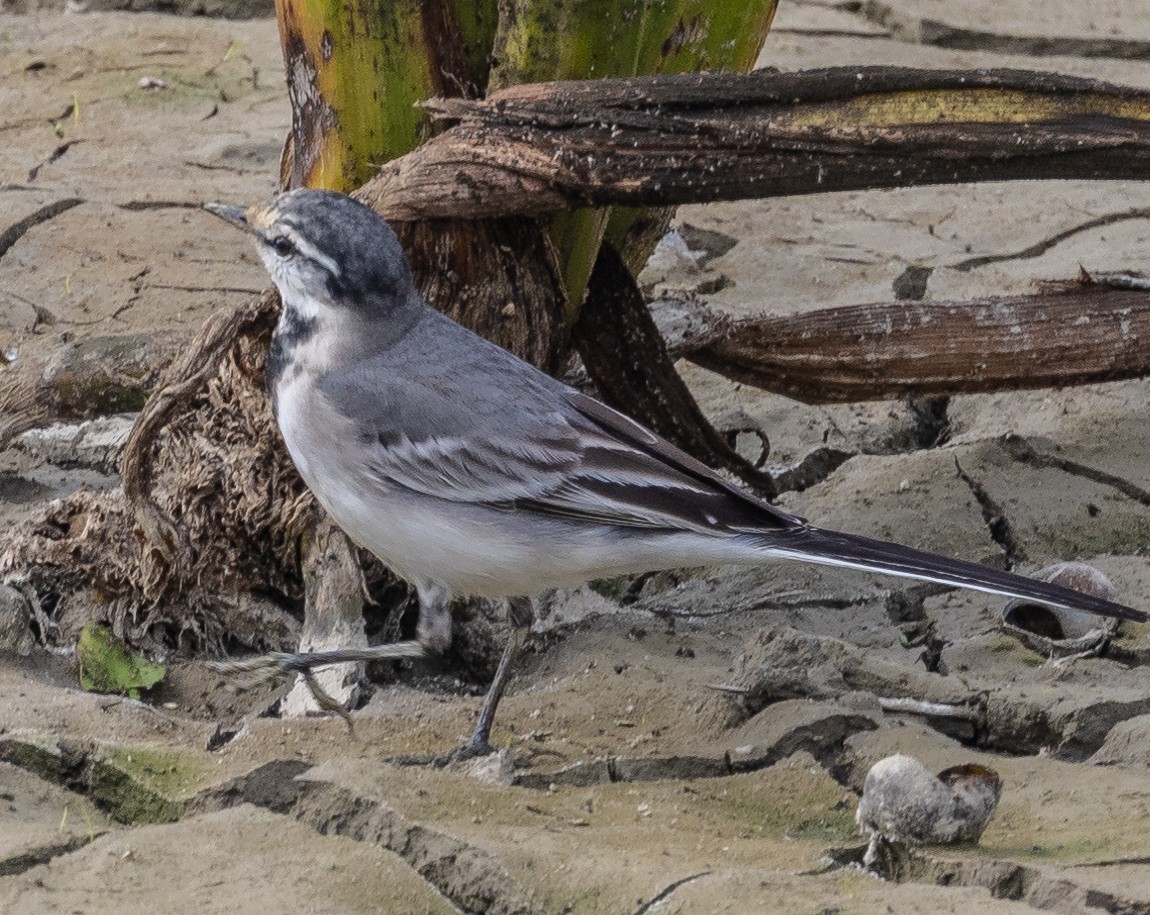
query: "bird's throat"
297, 329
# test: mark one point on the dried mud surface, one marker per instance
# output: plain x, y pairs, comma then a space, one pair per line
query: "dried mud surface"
634, 785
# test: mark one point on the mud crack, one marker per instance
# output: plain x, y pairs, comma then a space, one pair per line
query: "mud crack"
103, 779
813, 469
824, 738
1001, 531
1034, 886
17, 230
934, 32
136, 206
664, 895
790, 600
222, 289
57, 153
1041, 247
25, 861
471, 878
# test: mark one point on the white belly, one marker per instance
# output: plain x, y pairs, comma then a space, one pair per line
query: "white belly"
483, 552
469, 549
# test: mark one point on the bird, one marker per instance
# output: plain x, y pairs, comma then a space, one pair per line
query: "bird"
469, 472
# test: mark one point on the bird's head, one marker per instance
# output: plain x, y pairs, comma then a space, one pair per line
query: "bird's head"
325, 250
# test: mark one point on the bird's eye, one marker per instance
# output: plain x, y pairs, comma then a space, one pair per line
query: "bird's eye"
283, 245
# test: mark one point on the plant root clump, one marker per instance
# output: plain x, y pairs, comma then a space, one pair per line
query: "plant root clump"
230, 512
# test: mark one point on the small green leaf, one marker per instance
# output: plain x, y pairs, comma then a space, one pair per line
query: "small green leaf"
106, 665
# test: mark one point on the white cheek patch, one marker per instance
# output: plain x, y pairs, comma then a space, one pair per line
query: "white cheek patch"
271, 262
288, 280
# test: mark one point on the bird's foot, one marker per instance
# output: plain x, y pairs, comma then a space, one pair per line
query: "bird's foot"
325, 700
487, 765
278, 666
476, 747
249, 672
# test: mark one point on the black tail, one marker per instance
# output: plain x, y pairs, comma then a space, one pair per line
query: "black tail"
810, 544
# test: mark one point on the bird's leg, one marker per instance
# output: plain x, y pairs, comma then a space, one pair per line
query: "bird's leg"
521, 617
433, 636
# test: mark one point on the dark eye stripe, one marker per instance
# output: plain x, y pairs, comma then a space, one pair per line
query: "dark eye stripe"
283, 245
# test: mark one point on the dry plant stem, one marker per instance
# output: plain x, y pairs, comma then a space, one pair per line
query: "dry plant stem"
333, 618
729, 689
54, 381
689, 139
931, 709
1079, 334
626, 357
1089, 645
498, 277
21, 409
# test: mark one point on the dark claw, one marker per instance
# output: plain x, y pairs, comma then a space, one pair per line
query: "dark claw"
280, 666
325, 700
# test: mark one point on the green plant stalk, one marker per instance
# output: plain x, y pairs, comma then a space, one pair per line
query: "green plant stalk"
477, 21
685, 37
355, 72
542, 40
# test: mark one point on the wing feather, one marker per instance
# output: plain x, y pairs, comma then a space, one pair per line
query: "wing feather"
599, 468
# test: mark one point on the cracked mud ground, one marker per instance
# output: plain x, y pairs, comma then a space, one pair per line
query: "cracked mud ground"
638, 786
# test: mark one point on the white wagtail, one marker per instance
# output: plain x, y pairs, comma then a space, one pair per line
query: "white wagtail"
469, 472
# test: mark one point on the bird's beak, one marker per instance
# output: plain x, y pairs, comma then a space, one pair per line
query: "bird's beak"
234, 215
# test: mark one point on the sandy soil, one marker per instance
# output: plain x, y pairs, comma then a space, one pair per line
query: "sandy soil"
628, 777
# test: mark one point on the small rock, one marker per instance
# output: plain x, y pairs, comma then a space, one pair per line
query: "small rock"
1127, 743
706, 244
494, 769
674, 268
903, 801
673, 256
152, 83
15, 623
